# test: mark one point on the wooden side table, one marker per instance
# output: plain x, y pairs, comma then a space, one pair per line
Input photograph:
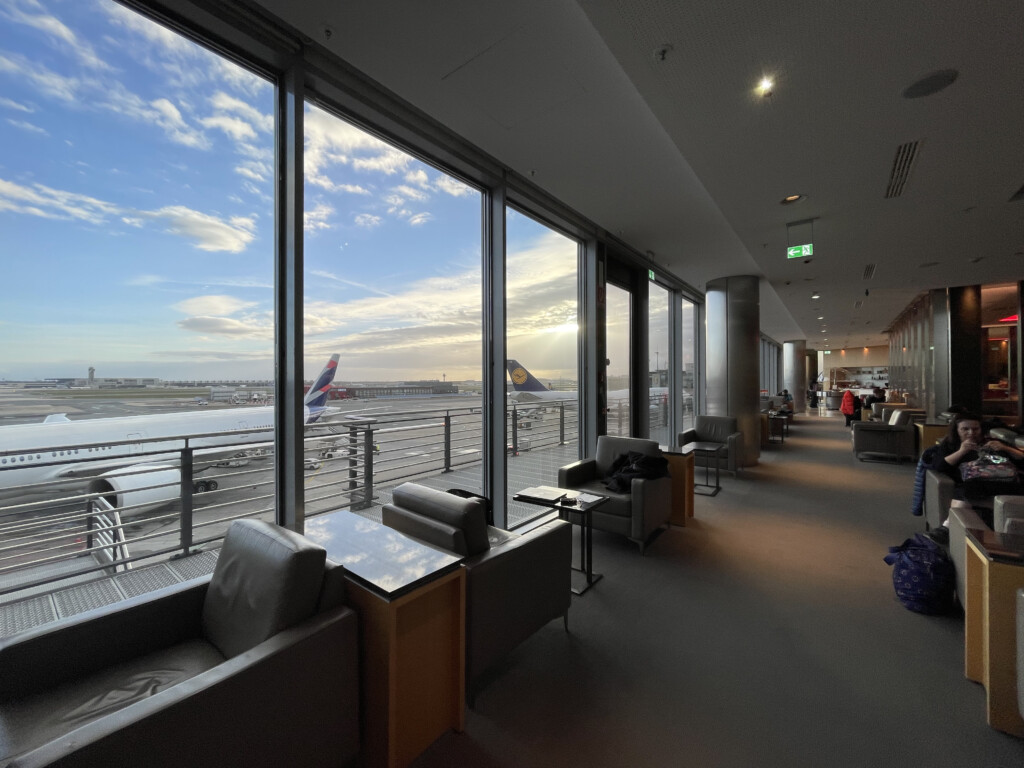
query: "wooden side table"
994, 572
680, 467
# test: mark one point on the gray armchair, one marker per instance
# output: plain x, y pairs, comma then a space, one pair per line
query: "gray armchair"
515, 583
896, 438
938, 493
256, 665
716, 429
635, 513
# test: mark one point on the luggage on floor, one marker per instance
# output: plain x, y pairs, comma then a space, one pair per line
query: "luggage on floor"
923, 575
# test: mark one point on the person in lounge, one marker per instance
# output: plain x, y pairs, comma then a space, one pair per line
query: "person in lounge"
961, 444
850, 407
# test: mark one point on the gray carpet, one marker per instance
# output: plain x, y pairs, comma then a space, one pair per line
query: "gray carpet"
766, 633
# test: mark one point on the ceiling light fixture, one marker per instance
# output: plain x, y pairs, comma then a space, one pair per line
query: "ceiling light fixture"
765, 87
790, 199
815, 295
931, 84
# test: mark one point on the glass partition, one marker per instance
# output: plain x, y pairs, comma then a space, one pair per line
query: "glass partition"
617, 334
393, 287
136, 201
658, 421
689, 364
542, 268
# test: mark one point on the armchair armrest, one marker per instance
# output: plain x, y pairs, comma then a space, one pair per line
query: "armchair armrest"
577, 473
422, 528
938, 492
514, 589
80, 645
687, 436
654, 497
231, 714
733, 443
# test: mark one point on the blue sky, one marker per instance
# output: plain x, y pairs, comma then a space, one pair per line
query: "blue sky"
136, 203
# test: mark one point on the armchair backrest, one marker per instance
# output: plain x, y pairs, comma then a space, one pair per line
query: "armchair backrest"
609, 448
451, 522
267, 579
1008, 514
715, 429
899, 418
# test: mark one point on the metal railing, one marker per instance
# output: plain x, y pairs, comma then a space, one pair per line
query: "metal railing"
171, 501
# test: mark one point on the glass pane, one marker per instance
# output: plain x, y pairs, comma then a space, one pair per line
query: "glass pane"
541, 334
136, 201
393, 287
689, 377
617, 324
657, 366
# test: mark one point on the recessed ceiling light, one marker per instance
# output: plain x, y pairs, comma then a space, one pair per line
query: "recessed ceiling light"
790, 199
815, 295
821, 318
765, 86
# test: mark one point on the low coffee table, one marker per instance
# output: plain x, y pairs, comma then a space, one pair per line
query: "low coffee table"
578, 514
709, 450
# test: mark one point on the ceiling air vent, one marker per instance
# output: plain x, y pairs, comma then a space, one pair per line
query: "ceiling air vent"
869, 271
901, 165
1018, 196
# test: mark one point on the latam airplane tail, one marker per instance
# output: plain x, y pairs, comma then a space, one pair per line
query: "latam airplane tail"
522, 379
316, 397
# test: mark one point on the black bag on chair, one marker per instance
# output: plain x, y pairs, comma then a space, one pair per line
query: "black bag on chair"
923, 575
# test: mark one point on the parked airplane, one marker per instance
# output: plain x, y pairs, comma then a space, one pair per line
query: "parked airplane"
528, 389
120, 456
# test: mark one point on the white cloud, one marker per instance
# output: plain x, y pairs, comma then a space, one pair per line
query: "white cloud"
65, 89
367, 220
48, 203
226, 326
453, 187
317, 218
245, 169
331, 142
418, 177
410, 193
235, 127
223, 102
32, 14
209, 232
15, 105
27, 126
132, 221
217, 305
420, 219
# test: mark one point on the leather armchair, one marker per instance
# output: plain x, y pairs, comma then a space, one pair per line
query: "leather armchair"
938, 493
635, 513
515, 583
256, 665
895, 438
716, 429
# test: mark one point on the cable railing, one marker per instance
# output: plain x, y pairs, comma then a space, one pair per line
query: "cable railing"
166, 498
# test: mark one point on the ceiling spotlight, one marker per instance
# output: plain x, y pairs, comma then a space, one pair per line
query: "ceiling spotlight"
765, 86
815, 295
790, 199
822, 317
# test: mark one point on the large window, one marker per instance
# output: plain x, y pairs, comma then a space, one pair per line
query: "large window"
617, 335
689, 376
136, 202
542, 341
658, 365
392, 284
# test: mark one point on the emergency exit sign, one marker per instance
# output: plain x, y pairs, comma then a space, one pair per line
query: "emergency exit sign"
650, 274
799, 251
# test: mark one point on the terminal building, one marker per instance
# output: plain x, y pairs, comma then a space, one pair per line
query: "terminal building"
754, 197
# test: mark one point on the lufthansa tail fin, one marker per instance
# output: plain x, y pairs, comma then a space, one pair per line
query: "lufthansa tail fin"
522, 379
316, 397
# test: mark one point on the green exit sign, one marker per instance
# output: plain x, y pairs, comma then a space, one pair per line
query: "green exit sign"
827, 352
799, 251
650, 274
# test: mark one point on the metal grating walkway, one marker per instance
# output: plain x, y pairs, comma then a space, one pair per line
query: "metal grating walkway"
21, 615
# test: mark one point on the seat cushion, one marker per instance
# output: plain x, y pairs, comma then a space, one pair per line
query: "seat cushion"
39, 719
267, 579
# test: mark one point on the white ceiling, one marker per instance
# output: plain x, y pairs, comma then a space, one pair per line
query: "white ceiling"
683, 158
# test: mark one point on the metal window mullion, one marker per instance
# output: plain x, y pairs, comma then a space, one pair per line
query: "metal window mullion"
494, 353
288, 266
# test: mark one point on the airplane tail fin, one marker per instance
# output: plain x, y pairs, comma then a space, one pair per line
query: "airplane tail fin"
316, 397
522, 379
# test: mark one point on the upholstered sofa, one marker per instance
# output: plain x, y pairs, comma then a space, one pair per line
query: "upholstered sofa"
1007, 517
716, 429
635, 513
256, 665
515, 583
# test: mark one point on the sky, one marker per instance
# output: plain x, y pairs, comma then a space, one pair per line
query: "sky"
136, 205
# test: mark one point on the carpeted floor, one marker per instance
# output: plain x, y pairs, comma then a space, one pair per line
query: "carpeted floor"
766, 633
